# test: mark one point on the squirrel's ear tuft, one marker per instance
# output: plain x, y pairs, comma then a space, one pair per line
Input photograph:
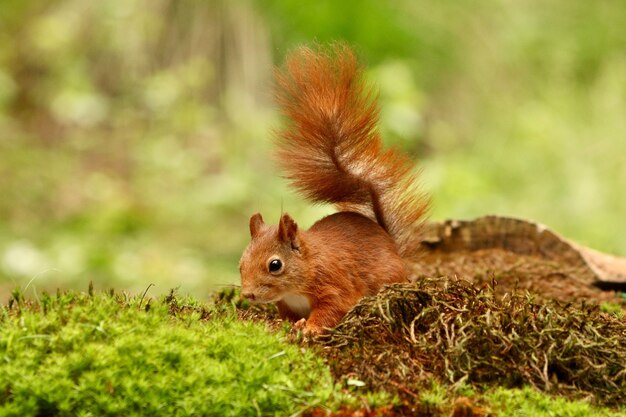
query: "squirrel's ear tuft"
256, 223
288, 231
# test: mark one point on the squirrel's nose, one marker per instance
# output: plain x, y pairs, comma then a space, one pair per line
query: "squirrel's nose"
248, 295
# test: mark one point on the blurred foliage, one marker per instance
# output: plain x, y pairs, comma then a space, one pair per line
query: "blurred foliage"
135, 135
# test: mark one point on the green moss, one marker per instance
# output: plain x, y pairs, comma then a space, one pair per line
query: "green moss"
436, 396
74, 354
612, 308
528, 402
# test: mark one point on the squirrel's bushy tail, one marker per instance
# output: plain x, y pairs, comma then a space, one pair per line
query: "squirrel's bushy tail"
331, 150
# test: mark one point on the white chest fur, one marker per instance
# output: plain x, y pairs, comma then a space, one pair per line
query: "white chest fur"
299, 304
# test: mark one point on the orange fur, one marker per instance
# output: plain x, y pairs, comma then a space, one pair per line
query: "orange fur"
330, 148
331, 151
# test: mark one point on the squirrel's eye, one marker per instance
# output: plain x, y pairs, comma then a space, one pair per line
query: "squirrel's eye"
275, 266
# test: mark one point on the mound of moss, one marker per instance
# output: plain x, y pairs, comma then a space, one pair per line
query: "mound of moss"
450, 331
75, 354
444, 349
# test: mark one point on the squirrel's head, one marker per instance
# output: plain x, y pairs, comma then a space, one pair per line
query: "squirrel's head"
272, 265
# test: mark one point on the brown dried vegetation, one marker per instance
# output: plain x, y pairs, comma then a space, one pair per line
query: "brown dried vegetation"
456, 333
548, 279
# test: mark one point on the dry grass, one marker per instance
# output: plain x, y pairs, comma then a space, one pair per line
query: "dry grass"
450, 331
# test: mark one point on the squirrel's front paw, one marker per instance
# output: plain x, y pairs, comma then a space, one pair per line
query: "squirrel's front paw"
312, 330
307, 328
299, 325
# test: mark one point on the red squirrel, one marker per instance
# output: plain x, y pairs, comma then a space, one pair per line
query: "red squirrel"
331, 151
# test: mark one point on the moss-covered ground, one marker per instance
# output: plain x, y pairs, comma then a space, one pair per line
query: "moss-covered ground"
75, 354
98, 354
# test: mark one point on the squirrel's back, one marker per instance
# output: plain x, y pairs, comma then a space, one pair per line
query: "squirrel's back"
351, 245
330, 148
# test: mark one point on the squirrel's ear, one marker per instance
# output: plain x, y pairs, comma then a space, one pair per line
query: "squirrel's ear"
288, 231
256, 223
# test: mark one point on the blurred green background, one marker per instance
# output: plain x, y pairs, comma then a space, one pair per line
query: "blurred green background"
135, 135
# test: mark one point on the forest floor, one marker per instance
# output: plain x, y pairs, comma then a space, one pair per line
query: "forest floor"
448, 347
516, 342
